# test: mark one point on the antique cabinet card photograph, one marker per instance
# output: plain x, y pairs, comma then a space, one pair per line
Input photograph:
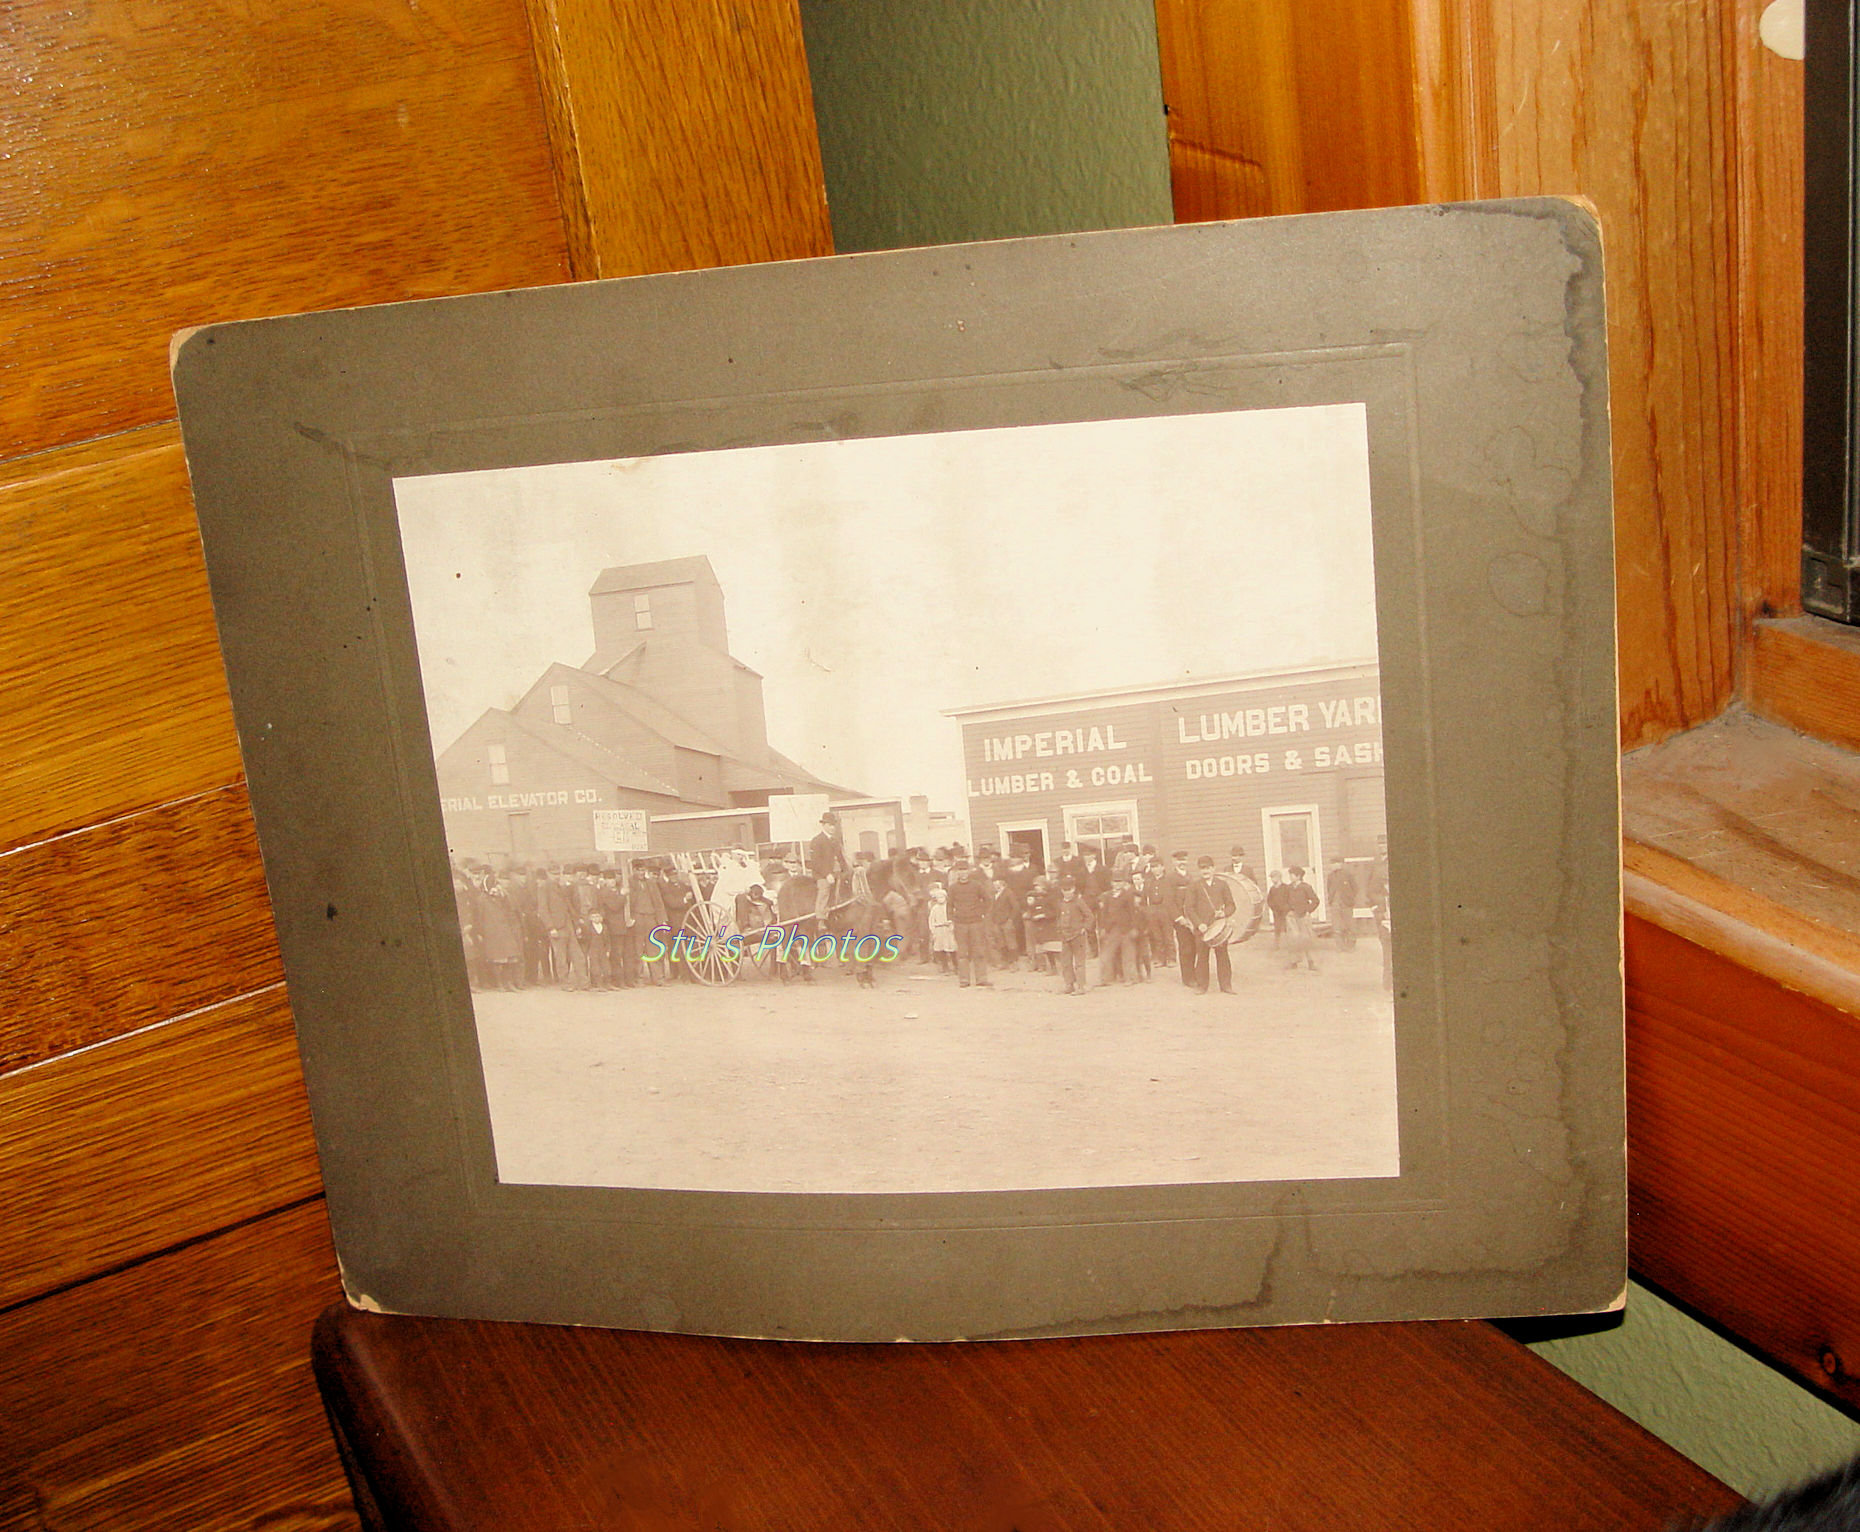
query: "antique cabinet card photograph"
1015, 789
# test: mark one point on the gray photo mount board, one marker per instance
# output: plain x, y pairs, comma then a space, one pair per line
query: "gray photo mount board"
1473, 334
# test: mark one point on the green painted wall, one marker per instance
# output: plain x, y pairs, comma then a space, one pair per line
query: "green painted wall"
1731, 1414
946, 120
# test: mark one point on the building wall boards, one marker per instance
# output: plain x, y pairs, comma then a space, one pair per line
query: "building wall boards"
508, 794
661, 718
1286, 766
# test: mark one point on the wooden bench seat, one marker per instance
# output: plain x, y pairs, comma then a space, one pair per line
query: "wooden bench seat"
448, 1424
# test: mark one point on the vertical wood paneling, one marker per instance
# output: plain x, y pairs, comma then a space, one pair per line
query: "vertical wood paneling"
684, 133
1357, 104
1769, 179
1683, 133
1231, 91
1282, 108
1456, 109
1632, 106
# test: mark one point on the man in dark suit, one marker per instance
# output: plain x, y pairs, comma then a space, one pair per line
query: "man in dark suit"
1209, 901
645, 905
970, 897
1175, 886
1118, 920
826, 860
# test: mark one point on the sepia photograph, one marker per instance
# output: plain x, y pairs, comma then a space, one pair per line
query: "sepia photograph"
985, 810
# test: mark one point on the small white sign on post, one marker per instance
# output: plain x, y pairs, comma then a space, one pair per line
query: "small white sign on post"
620, 830
796, 816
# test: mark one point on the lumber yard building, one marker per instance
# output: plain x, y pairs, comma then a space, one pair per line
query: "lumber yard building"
1287, 766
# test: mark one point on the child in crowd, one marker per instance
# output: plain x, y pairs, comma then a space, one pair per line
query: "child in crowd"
1043, 924
942, 930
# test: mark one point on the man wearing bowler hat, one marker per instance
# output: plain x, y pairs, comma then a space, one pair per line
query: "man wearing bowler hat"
1209, 906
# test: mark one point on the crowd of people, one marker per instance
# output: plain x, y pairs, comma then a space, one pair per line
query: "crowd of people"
1124, 914
1125, 907
568, 926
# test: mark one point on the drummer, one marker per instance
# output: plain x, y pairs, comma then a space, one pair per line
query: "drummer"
1208, 907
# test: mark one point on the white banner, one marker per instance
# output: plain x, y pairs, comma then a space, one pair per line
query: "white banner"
796, 816
620, 830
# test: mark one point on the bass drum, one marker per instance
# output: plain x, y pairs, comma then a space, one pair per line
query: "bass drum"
1249, 907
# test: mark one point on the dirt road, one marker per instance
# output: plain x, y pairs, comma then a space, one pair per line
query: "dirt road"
919, 1085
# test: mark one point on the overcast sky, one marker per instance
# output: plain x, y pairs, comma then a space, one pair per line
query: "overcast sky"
874, 583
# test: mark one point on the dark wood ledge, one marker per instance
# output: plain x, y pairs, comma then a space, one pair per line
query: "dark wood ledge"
449, 1425
1741, 876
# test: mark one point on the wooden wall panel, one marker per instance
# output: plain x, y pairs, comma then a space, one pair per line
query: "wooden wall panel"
1631, 106
1805, 672
1744, 1128
131, 61
130, 923
1357, 104
684, 132
1276, 107
176, 1394
1768, 181
148, 1141
168, 164
1456, 106
218, 162
1230, 88
112, 697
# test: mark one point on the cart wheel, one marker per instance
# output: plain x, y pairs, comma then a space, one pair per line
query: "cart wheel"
709, 924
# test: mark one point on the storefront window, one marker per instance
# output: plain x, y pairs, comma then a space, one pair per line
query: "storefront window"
1101, 828
1295, 842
